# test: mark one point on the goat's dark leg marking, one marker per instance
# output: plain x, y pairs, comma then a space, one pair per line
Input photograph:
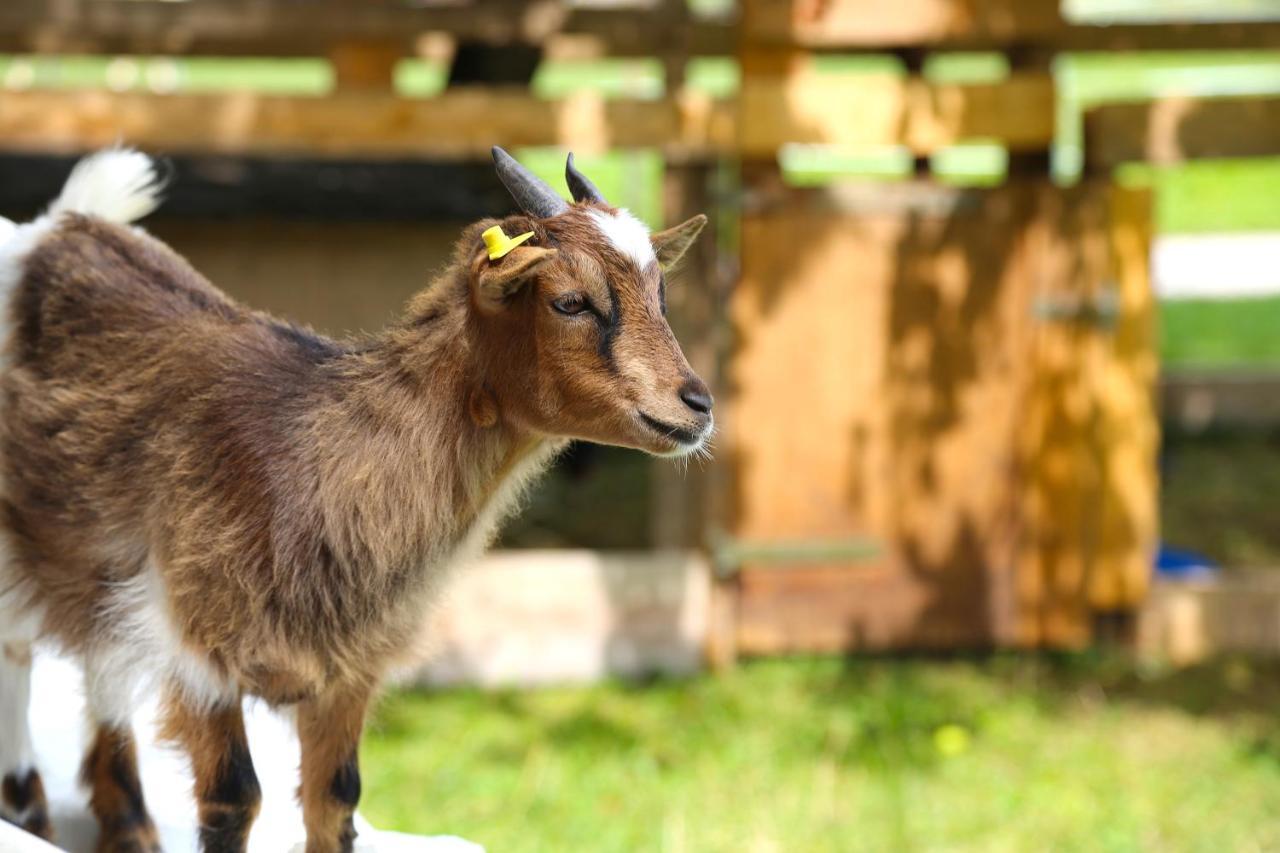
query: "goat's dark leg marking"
228, 795
345, 787
22, 797
110, 771
329, 729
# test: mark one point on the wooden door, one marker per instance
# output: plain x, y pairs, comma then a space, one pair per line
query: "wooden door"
919, 443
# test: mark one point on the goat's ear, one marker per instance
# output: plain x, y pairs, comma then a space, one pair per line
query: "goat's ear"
670, 245
497, 280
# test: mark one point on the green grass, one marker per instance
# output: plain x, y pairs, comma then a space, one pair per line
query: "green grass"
1215, 195
822, 755
1220, 332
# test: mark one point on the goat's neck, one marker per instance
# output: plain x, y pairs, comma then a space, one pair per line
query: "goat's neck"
418, 475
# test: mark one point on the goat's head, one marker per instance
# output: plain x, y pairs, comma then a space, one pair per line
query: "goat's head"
572, 324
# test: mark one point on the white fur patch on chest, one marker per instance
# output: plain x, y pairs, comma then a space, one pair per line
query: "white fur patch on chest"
626, 233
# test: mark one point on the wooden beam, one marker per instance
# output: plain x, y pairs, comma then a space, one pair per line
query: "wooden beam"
876, 607
882, 111
290, 28
460, 124
365, 65
867, 23
285, 28
682, 501
977, 24
1172, 130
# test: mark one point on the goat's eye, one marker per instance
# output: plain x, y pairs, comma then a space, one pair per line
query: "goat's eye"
571, 304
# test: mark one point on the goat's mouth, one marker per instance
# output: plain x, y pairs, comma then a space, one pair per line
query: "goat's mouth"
684, 438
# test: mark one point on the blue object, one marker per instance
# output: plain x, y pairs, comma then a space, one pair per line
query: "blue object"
1183, 564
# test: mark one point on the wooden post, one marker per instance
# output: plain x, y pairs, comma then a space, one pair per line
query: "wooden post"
365, 65
913, 60
722, 633
1058, 467
1128, 425
1091, 429
675, 26
680, 494
1032, 162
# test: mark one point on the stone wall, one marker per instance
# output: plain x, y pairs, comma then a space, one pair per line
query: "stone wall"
553, 617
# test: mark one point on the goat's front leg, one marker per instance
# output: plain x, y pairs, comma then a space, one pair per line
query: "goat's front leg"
329, 728
227, 793
110, 771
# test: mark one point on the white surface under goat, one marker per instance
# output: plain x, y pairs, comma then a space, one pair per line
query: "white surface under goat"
199, 499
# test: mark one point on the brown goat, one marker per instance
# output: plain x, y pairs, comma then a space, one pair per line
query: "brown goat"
201, 499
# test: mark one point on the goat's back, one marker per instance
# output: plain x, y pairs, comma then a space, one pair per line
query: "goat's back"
133, 394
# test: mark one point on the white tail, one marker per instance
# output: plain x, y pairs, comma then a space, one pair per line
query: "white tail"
118, 184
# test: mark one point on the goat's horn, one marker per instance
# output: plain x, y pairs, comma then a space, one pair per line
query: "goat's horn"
531, 195
580, 186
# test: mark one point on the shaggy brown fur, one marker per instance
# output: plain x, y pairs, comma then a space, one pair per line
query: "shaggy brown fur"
287, 502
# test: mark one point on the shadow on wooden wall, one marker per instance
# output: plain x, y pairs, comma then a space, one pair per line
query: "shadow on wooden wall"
929, 372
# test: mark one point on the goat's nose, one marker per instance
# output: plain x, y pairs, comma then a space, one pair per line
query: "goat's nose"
696, 396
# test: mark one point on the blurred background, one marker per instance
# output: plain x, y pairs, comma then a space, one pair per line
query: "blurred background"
987, 555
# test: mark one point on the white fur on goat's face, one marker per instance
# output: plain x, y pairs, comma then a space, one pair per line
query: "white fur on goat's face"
626, 234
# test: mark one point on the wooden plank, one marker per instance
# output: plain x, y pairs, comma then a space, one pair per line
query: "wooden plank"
1171, 130
874, 608
1185, 622
978, 24
940, 371
861, 110
681, 495
1057, 450
365, 65
868, 23
722, 625
460, 124
869, 112
1127, 432
290, 28
1221, 399
284, 28
878, 378
1090, 432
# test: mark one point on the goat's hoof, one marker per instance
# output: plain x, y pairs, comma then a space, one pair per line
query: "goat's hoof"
37, 824
22, 804
134, 839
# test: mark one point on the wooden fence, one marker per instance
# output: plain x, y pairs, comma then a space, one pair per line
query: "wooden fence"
940, 423
943, 428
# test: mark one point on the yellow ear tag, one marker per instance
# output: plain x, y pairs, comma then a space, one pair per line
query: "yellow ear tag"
499, 243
